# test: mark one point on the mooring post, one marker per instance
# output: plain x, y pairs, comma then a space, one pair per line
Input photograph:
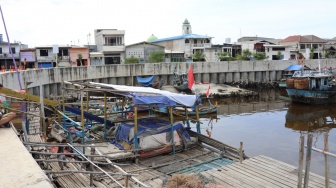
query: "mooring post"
308, 159
326, 160
198, 124
91, 166
126, 180
241, 153
301, 154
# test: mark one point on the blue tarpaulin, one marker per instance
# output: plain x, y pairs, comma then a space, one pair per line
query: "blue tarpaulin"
296, 68
88, 115
159, 100
147, 127
146, 82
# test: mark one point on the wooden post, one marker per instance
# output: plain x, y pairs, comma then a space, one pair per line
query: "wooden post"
87, 100
198, 124
126, 180
91, 166
241, 153
308, 159
301, 154
136, 147
172, 128
326, 160
82, 117
42, 114
105, 116
187, 119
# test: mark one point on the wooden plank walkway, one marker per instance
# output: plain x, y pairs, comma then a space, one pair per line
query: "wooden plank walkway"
261, 171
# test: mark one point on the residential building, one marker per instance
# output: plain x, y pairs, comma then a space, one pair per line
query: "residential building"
187, 43
6, 58
330, 47
304, 45
46, 58
255, 46
29, 56
111, 42
96, 58
142, 50
79, 56
253, 38
280, 52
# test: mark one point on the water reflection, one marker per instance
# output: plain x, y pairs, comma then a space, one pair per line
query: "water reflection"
306, 118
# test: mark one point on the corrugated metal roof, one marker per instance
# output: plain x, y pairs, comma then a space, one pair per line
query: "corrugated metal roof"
186, 36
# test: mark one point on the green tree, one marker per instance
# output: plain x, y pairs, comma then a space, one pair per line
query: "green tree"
198, 56
225, 56
156, 57
132, 60
327, 54
80, 57
311, 55
259, 56
246, 55
278, 56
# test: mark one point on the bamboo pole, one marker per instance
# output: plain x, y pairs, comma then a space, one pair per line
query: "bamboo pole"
121, 170
308, 159
301, 155
87, 100
326, 160
105, 117
95, 165
172, 128
91, 166
86, 172
135, 116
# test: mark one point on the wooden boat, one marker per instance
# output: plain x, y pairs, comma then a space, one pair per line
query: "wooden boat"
150, 82
180, 82
288, 73
312, 87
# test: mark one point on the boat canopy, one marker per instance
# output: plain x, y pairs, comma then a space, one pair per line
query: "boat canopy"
147, 81
296, 68
150, 96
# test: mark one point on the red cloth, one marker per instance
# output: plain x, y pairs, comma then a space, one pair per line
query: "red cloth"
191, 80
208, 92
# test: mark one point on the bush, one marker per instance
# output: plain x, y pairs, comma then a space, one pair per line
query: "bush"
132, 60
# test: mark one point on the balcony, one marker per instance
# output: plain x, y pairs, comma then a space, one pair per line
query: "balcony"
199, 46
9, 56
110, 48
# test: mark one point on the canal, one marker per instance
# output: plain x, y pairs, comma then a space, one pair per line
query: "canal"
271, 126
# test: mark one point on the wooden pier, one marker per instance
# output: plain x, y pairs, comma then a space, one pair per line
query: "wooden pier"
262, 171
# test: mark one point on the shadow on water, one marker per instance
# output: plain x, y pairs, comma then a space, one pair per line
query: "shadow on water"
271, 126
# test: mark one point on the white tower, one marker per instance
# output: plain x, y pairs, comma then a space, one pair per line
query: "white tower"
186, 27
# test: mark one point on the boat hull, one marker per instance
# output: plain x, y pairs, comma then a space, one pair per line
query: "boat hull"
311, 96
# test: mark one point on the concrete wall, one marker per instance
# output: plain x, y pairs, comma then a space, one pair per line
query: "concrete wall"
216, 72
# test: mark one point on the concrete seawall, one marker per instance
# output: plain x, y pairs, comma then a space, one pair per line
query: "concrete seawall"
214, 72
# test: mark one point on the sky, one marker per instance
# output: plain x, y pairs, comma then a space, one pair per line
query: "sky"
48, 22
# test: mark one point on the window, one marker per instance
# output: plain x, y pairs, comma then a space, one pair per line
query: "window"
0, 50
63, 52
13, 50
186, 41
302, 46
113, 41
195, 41
315, 46
43, 52
278, 49
268, 49
308, 46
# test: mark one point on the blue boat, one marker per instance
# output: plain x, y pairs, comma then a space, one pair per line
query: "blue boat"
312, 87
288, 73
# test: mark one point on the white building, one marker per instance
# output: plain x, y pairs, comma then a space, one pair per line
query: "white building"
111, 42
142, 50
187, 43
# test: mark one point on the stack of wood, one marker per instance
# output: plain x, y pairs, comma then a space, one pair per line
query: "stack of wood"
301, 84
290, 83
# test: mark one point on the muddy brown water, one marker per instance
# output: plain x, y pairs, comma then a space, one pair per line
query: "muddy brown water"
268, 125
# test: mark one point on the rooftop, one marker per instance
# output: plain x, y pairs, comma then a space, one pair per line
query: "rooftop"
186, 36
